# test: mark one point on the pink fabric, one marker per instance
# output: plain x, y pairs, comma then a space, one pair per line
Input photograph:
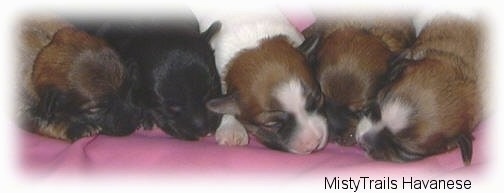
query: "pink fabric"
155, 152
301, 16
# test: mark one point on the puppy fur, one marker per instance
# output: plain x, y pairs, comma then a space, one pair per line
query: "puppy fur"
36, 33
76, 79
270, 90
351, 63
173, 69
433, 101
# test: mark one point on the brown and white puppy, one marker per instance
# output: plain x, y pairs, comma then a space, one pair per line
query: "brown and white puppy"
76, 80
270, 90
432, 103
351, 64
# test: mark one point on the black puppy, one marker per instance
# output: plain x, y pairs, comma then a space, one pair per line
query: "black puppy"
173, 70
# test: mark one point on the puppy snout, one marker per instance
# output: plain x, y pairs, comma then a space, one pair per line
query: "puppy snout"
378, 146
307, 145
367, 142
200, 125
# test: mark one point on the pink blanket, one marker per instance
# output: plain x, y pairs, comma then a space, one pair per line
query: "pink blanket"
154, 151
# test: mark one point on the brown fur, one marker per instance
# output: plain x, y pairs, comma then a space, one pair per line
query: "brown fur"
36, 33
441, 85
353, 59
351, 62
464, 42
256, 72
59, 64
78, 66
395, 32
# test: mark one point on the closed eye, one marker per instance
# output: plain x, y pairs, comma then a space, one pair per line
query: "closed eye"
272, 126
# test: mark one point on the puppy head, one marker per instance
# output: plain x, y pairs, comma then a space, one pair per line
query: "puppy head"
350, 67
379, 133
273, 94
179, 79
430, 108
76, 78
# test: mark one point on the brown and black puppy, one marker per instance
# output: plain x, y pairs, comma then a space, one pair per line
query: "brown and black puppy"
351, 64
36, 33
173, 68
432, 103
77, 80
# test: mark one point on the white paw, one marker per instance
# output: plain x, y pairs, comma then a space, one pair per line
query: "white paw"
231, 132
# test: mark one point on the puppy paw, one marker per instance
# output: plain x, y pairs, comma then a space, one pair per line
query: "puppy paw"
91, 132
79, 131
231, 132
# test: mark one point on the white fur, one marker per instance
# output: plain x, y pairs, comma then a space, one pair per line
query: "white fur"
311, 133
243, 29
231, 132
395, 116
364, 126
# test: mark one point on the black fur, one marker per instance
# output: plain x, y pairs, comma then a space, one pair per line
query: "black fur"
173, 71
466, 148
338, 121
384, 147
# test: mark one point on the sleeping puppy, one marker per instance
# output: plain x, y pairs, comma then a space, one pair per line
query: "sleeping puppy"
76, 81
36, 33
433, 101
351, 63
270, 90
173, 69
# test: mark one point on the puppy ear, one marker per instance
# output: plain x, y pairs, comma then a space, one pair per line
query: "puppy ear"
465, 144
309, 45
224, 105
211, 31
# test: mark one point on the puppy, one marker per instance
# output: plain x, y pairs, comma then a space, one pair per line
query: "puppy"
270, 90
433, 101
173, 69
76, 81
351, 63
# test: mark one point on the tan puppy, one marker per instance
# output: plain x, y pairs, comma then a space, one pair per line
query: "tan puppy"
351, 64
432, 103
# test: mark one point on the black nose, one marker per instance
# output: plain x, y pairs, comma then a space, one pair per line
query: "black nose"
368, 142
200, 125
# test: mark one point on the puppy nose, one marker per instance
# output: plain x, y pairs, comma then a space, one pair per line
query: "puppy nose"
307, 146
367, 142
200, 125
